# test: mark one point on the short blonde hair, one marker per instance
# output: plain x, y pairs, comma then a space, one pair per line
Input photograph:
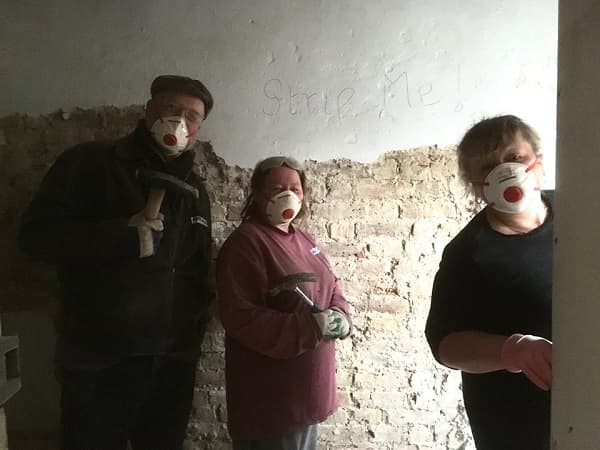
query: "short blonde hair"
489, 135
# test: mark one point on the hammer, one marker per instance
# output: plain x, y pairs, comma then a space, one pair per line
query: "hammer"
290, 283
159, 183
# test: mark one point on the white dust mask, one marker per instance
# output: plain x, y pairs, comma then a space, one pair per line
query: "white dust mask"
172, 134
511, 187
283, 208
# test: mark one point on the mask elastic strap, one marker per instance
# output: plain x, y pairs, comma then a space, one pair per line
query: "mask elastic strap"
532, 165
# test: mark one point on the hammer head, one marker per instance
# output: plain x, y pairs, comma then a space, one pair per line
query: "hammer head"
289, 282
159, 180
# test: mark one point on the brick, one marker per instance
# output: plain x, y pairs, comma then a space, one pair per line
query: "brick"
217, 212
367, 190
342, 230
389, 380
396, 228
386, 247
385, 170
388, 304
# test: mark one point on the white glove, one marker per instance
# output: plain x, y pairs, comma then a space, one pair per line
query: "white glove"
333, 324
149, 232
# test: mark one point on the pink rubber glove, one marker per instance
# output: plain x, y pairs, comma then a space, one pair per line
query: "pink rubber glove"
531, 355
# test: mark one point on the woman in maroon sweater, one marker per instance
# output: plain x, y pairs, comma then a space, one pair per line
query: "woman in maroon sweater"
279, 351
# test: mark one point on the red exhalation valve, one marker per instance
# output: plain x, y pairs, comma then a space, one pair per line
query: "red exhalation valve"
170, 139
513, 194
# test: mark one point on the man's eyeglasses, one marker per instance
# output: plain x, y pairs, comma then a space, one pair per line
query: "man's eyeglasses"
192, 116
278, 161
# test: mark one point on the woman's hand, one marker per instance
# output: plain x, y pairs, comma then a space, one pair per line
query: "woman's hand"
531, 355
333, 324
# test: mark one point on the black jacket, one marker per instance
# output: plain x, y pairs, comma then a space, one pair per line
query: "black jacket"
114, 304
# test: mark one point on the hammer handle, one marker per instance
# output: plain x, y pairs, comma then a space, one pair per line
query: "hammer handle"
314, 308
153, 203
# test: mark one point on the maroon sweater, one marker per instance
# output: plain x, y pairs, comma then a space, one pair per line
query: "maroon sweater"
280, 374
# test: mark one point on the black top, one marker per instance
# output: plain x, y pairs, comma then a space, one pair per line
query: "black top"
113, 303
499, 284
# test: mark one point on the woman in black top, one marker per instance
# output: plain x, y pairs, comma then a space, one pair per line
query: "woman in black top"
490, 313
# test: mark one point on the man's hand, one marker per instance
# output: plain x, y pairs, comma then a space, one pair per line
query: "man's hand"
149, 232
531, 355
333, 324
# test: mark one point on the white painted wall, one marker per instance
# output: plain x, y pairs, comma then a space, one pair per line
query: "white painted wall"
576, 356
313, 78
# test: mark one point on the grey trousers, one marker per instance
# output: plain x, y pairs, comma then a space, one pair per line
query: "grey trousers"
300, 439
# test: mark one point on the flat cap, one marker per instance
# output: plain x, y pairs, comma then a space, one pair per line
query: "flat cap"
184, 85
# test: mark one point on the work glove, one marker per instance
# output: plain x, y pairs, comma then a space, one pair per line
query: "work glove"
531, 355
333, 324
149, 232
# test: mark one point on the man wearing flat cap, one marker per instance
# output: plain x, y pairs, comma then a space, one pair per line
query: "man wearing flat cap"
127, 225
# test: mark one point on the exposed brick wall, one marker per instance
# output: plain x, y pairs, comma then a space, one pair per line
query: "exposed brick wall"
383, 225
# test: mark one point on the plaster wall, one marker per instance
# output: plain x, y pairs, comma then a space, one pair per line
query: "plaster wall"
317, 79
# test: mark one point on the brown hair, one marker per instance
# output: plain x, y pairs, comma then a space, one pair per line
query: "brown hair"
257, 183
488, 136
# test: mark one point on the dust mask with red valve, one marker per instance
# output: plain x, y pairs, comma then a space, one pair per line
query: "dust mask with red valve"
512, 187
283, 208
171, 133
